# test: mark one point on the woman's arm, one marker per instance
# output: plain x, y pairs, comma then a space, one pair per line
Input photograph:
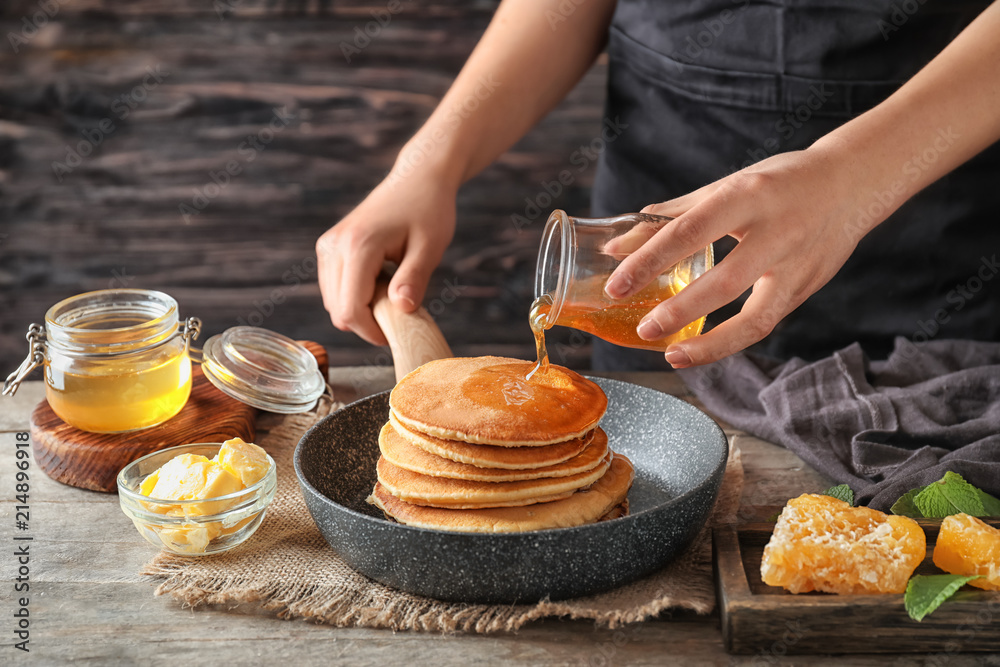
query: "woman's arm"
531, 55
798, 216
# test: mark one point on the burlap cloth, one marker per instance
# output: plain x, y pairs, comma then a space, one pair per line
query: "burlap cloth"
288, 567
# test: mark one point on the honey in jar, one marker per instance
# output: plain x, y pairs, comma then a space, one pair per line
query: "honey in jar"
147, 390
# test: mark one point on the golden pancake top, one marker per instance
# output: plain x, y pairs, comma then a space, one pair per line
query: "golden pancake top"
582, 507
488, 400
400, 452
488, 456
465, 494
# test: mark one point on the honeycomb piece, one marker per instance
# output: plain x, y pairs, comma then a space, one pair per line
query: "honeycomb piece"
967, 546
821, 543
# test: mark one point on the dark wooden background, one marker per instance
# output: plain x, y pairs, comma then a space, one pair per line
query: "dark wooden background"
248, 257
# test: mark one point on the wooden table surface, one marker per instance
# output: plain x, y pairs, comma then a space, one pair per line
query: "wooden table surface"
88, 604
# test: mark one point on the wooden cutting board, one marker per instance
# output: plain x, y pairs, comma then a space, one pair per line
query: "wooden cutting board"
770, 622
92, 460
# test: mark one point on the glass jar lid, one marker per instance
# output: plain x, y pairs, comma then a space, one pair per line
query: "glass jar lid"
263, 369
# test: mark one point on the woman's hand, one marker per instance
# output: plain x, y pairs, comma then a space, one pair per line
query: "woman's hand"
409, 220
516, 74
798, 216
794, 216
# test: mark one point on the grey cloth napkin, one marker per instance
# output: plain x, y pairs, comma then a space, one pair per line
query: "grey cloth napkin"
883, 427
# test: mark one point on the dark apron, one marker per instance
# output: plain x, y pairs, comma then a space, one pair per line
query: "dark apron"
702, 89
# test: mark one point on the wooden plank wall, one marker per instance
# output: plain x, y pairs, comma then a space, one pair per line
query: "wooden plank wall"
114, 113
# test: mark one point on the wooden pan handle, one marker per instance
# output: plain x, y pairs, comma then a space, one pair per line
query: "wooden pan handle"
414, 338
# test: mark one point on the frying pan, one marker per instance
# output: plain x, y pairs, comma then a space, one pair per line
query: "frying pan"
679, 455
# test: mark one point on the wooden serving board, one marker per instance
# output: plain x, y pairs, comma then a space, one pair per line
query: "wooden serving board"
768, 621
92, 460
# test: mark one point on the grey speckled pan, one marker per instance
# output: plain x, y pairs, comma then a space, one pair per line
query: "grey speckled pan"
679, 455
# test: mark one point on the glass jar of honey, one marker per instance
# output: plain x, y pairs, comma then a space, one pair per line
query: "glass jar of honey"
121, 360
114, 360
575, 260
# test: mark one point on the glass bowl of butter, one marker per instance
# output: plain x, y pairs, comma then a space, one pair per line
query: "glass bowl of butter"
198, 499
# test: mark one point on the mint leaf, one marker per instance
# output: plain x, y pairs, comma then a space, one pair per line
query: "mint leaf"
925, 593
964, 496
950, 495
905, 507
991, 504
931, 502
841, 492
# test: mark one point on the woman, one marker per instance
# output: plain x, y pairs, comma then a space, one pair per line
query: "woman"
791, 130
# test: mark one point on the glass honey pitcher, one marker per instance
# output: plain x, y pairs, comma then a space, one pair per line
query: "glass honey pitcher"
575, 260
120, 360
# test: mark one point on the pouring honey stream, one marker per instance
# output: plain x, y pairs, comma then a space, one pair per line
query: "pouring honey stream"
537, 319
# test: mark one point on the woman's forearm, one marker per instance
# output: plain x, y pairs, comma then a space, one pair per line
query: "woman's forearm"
947, 113
529, 58
798, 216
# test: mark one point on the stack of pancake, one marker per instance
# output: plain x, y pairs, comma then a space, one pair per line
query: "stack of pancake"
472, 445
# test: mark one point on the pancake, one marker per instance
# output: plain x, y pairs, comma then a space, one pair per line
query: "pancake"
398, 451
489, 456
583, 507
488, 401
616, 512
463, 494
